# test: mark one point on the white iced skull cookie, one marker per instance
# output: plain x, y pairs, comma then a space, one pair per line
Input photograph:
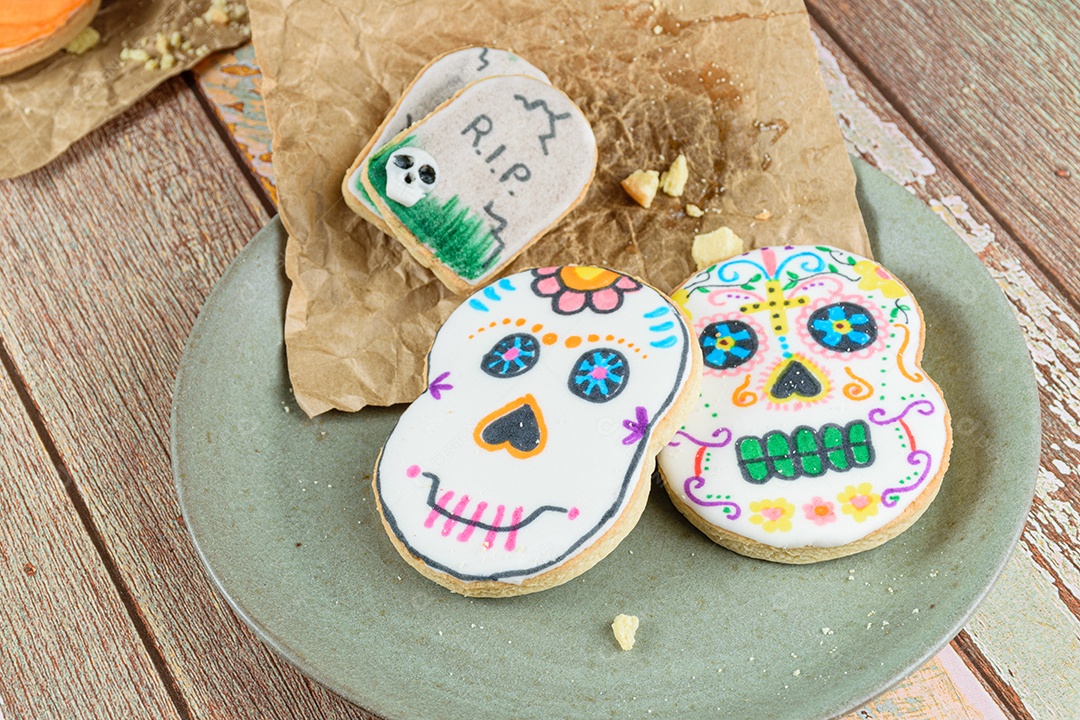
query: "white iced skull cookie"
514, 155
816, 434
528, 457
435, 83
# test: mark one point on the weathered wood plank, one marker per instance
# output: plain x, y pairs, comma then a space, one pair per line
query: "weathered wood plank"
938, 690
995, 88
106, 257
1028, 630
230, 82
68, 648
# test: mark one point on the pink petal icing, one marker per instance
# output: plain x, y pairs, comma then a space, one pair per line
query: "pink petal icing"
605, 300
570, 301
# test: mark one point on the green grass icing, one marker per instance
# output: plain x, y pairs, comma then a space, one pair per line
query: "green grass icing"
457, 236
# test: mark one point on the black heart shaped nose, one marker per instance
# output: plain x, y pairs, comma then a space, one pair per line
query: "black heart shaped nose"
517, 427
795, 379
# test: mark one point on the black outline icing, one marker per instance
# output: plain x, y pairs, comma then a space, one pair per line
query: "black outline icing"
436, 480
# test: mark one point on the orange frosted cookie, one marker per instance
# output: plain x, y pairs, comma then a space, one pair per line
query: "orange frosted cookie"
32, 30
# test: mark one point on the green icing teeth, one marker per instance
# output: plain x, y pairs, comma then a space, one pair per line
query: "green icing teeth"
805, 452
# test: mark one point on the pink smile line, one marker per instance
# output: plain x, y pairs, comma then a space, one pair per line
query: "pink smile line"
438, 504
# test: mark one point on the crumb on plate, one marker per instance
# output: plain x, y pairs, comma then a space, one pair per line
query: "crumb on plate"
625, 628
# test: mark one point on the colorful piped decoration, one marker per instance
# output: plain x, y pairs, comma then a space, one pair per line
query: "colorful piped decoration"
812, 387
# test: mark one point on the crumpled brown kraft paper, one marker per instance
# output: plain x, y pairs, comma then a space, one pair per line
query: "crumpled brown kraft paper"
732, 85
48, 106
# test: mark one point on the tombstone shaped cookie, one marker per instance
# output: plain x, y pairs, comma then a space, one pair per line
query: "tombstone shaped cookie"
528, 458
434, 84
483, 176
817, 434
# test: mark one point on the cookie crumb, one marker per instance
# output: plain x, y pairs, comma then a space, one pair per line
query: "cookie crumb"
625, 628
641, 185
83, 42
657, 30
673, 180
763, 215
827, 631
716, 246
693, 210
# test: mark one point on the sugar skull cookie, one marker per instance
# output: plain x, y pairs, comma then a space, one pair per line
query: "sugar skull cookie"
528, 458
486, 174
816, 434
434, 84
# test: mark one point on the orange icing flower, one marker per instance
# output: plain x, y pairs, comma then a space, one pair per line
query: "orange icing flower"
772, 515
575, 287
819, 511
859, 502
875, 277
24, 21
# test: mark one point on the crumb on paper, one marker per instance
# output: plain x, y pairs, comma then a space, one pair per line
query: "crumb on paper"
714, 247
693, 210
763, 215
165, 50
134, 55
83, 42
222, 12
657, 29
673, 180
827, 631
641, 185
625, 628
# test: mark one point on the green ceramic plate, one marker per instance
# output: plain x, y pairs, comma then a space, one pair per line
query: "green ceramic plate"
281, 511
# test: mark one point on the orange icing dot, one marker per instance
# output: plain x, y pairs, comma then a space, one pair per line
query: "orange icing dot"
609, 338
506, 321
550, 339
593, 338
537, 327
25, 21
573, 341
520, 322
493, 324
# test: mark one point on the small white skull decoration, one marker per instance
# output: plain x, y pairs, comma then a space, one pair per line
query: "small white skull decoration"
816, 427
536, 431
411, 174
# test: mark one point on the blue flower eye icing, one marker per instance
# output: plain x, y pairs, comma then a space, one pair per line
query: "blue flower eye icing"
728, 344
512, 356
599, 375
843, 327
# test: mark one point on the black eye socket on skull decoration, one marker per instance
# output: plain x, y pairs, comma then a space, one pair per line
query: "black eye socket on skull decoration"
512, 356
403, 161
599, 375
843, 327
727, 344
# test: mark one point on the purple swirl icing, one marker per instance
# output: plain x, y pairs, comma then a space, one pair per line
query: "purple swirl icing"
913, 458
876, 413
704, 443
696, 482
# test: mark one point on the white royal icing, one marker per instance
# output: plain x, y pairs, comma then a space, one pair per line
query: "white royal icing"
810, 348
515, 155
435, 84
544, 391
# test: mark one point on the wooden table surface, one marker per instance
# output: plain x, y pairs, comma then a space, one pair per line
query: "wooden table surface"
107, 255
